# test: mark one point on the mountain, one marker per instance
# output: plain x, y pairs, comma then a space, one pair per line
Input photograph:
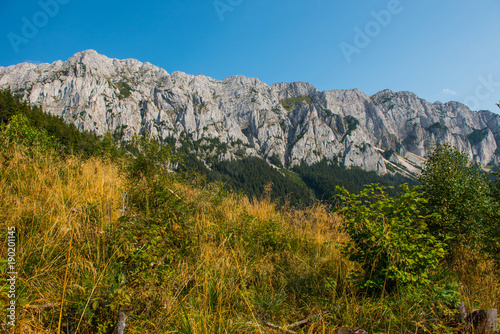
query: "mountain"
285, 123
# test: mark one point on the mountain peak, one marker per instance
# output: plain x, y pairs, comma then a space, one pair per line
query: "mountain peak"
87, 56
87, 52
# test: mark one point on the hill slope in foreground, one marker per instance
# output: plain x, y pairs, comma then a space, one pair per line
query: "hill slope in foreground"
98, 238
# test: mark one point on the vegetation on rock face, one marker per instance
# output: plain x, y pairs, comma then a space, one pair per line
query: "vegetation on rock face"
352, 124
125, 89
275, 160
291, 103
477, 136
103, 232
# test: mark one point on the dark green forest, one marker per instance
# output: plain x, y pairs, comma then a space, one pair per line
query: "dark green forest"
324, 176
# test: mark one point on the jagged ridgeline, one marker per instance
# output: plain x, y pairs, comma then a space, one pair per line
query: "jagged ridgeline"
286, 124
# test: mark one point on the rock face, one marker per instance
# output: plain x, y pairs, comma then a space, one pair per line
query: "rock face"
291, 122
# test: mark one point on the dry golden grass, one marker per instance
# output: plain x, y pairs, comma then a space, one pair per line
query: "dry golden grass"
48, 200
249, 263
480, 283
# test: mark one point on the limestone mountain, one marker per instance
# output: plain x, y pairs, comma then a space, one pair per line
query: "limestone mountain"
284, 123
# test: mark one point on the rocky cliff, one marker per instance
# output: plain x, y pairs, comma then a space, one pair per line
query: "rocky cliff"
286, 122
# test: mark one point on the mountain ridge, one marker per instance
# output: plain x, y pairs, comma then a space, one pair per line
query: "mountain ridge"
386, 132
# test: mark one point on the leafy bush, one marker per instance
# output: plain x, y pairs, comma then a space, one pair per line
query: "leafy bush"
21, 131
459, 192
69, 139
150, 157
493, 238
389, 237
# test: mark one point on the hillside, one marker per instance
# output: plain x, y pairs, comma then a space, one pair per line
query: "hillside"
102, 236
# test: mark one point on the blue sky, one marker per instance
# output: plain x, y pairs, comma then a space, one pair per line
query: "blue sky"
441, 50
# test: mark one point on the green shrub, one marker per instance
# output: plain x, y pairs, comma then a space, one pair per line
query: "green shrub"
389, 237
21, 131
150, 157
493, 238
459, 192
68, 138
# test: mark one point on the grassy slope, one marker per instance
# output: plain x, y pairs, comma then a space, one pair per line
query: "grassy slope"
185, 258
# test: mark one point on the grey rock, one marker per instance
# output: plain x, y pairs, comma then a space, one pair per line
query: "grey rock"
127, 97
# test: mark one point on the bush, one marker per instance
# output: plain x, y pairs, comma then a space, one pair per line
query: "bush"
492, 241
150, 158
21, 131
389, 237
459, 192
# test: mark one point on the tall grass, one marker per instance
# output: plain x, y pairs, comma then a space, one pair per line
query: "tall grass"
189, 257
48, 200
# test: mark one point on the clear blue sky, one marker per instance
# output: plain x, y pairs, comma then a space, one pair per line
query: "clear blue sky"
441, 50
